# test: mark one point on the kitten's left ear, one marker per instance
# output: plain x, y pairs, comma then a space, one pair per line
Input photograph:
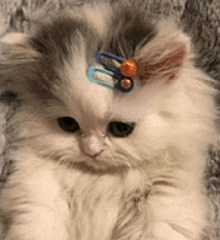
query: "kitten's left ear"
16, 52
16, 46
164, 56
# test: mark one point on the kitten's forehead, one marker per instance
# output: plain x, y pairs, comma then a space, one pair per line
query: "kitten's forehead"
68, 45
87, 98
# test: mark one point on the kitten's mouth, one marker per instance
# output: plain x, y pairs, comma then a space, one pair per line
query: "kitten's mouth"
90, 164
94, 166
99, 168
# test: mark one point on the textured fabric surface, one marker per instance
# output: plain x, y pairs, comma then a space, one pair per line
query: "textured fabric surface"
201, 20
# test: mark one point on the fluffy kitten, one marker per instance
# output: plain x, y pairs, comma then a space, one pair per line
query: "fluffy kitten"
89, 162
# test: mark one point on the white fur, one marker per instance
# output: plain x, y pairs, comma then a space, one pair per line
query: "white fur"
159, 197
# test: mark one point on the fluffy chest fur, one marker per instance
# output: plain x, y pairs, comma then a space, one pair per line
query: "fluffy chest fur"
109, 206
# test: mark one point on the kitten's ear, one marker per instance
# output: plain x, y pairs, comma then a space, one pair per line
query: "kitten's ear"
164, 56
16, 54
15, 47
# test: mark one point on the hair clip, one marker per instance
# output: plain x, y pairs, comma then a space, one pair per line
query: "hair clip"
106, 78
92, 73
119, 70
128, 67
99, 55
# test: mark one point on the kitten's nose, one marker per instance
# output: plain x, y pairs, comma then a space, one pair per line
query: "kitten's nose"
92, 146
93, 154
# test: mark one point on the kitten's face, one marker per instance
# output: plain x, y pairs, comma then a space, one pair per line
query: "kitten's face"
66, 118
88, 124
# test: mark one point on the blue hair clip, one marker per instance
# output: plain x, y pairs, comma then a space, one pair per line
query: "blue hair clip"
91, 74
119, 81
99, 55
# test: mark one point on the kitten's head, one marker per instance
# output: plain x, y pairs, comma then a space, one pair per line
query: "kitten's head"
63, 117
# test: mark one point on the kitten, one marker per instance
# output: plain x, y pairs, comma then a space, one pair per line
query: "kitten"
90, 162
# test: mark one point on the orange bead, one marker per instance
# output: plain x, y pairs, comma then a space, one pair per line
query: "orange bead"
126, 83
129, 68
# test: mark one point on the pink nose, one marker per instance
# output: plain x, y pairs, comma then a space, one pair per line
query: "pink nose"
92, 145
93, 154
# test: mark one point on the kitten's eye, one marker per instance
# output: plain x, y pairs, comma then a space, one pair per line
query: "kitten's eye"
120, 129
68, 124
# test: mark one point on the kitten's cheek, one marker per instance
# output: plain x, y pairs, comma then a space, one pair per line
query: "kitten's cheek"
156, 132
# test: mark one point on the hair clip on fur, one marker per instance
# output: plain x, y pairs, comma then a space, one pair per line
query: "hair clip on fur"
107, 79
116, 68
100, 76
129, 68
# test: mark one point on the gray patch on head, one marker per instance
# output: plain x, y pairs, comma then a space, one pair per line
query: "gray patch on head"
60, 38
56, 38
59, 41
131, 27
